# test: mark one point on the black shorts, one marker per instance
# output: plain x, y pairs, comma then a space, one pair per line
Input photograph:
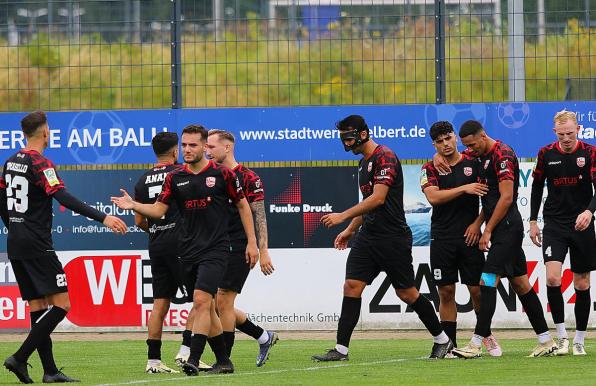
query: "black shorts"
450, 256
368, 257
506, 256
39, 277
166, 271
556, 241
237, 271
207, 272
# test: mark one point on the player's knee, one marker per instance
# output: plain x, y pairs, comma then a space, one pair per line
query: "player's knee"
408, 295
353, 288
581, 281
553, 280
225, 301
202, 302
447, 294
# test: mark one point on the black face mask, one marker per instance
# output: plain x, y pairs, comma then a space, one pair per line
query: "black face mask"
355, 135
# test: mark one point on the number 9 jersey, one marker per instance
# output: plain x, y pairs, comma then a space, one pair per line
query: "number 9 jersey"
30, 181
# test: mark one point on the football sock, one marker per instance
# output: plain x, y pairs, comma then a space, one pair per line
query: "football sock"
556, 303
426, 314
533, 308
229, 337
197, 346
39, 333
350, 313
487, 310
450, 329
250, 329
154, 349
218, 345
582, 309
45, 347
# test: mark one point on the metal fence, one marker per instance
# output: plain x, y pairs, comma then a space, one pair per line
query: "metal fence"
130, 54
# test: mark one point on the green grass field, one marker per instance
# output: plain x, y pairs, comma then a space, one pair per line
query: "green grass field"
371, 361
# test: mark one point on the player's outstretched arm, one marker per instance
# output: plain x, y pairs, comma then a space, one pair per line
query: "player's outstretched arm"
376, 199
155, 210
252, 253
260, 220
71, 202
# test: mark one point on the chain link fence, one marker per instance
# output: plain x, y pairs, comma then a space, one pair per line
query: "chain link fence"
132, 54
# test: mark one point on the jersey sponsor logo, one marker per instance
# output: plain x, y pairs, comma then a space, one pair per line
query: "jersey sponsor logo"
16, 167
581, 161
200, 203
183, 183
210, 182
51, 176
304, 208
468, 171
565, 181
554, 162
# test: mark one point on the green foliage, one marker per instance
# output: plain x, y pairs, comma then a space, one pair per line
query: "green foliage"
250, 67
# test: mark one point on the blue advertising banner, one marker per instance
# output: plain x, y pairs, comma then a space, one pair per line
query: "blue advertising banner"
290, 133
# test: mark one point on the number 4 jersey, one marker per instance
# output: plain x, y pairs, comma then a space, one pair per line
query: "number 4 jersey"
30, 181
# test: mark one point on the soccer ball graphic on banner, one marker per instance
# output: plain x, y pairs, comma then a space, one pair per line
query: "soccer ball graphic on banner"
95, 149
513, 115
456, 114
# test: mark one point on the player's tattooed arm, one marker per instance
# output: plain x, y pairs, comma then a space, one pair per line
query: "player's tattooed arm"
258, 213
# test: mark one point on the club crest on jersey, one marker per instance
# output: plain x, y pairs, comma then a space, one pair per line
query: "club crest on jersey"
467, 171
210, 182
581, 162
486, 163
369, 166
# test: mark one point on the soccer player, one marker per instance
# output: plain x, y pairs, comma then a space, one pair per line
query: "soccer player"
202, 192
382, 239
29, 182
220, 148
163, 245
455, 228
504, 232
569, 168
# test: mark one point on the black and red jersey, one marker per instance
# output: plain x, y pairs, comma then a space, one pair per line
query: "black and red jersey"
252, 187
383, 167
203, 200
30, 181
163, 233
450, 220
569, 178
499, 164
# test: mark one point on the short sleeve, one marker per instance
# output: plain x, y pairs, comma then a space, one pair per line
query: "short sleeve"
232, 184
428, 176
253, 187
45, 175
385, 166
504, 164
